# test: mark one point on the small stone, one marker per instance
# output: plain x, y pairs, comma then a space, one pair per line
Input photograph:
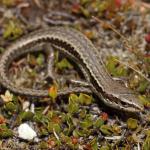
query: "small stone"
26, 105
26, 132
36, 140
32, 108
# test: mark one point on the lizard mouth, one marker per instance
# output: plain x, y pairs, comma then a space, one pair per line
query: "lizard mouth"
123, 106
130, 104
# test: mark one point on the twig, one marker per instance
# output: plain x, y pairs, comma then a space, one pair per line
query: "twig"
55, 134
140, 73
113, 137
111, 27
116, 31
45, 110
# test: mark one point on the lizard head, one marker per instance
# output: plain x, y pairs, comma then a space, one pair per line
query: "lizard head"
124, 101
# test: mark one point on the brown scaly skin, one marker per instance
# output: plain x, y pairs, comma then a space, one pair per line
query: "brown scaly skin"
83, 51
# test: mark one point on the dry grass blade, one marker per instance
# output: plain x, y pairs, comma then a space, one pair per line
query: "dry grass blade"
111, 27
127, 45
129, 66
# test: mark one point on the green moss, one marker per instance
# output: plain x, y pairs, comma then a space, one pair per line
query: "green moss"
98, 123
87, 122
8, 2
146, 144
5, 132
53, 127
64, 64
85, 99
40, 59
11, 107
106, 130
144, 100
12, 30
143, 86
105, 148
26, 115
93, 144
73, 106
132, 123
115, 68
40, 118
43, 145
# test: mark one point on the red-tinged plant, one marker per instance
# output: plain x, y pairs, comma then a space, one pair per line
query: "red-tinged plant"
56, 119
88, 147
51, 143
118, 3
52, 91
2, 120
104, 116
75, 8
74, 140
147, 38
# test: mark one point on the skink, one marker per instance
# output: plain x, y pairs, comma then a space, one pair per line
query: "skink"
112, 93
